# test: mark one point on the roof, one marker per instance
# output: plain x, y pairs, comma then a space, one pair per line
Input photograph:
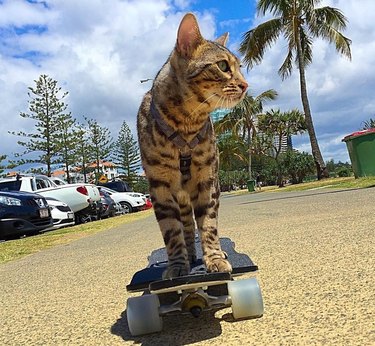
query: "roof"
359, 133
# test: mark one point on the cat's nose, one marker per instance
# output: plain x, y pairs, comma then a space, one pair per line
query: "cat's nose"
243, 85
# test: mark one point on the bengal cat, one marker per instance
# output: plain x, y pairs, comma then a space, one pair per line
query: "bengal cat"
178, 147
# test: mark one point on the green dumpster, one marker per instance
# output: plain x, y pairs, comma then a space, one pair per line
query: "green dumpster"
361, 148
251, 185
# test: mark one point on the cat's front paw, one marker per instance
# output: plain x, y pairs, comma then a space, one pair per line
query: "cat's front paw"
218, 264
176, 270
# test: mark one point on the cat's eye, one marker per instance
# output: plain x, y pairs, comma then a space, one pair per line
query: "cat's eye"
223, 66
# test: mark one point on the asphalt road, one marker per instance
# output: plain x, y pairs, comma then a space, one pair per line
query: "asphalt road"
315, 251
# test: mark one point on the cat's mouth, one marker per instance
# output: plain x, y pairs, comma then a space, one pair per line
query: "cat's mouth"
232, 100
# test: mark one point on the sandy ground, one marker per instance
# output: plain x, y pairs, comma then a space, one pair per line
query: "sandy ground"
315, 251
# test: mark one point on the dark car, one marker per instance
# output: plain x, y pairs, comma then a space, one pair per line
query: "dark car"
23, 213
118, 185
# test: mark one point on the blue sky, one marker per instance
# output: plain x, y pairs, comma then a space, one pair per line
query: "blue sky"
99, 51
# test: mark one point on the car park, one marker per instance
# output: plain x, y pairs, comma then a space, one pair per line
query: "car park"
83, 199
23, 213
131, 202
62, 215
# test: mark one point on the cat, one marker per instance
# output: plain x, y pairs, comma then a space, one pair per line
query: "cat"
178, 146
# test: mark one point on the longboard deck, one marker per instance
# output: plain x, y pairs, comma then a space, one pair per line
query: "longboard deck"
152, 275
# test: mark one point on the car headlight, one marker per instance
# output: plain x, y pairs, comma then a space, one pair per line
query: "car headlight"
10, 201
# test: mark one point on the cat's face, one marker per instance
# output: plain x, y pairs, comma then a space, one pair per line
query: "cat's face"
209, 69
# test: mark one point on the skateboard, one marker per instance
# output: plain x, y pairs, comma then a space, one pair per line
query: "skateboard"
199, 291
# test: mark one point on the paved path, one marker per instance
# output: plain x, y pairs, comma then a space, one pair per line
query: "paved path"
315, 251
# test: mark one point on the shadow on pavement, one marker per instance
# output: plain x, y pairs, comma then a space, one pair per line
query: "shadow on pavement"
177, 330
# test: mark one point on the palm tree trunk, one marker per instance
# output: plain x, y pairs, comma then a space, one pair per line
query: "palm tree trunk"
249, 147
321, 169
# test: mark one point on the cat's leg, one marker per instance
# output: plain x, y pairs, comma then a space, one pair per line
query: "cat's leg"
206, 208
188, 224
168, 215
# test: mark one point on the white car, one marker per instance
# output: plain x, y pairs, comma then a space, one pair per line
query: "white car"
79, 197
130, 201
61, 213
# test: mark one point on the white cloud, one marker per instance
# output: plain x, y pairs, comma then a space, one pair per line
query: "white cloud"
99, 50
340, 91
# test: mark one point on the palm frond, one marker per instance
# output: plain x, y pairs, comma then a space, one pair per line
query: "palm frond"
330, 16
286, 68
306, 43
255, 41
275, 7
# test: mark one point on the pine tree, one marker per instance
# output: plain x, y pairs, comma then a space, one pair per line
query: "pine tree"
67, 137
2, 157
83, 150
101, 144
45, 107
126, 153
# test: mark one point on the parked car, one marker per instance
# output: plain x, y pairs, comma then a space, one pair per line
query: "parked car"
119, 209
148, 204
83, 199
62, 215
108, 205
23, 213
131, 202
92, 212
117, 185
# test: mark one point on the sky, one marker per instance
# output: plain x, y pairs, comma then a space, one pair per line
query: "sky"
99, 50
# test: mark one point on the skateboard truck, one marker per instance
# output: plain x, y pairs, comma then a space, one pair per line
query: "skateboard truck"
194, 302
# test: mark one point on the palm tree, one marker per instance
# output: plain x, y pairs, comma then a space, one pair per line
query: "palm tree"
241, 120
369, 124
275, 124
299, 22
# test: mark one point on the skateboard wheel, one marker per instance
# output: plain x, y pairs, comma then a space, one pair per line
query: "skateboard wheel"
246, 298
143, 315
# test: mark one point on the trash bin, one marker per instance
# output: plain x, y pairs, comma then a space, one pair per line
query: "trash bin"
251, 185
361, 148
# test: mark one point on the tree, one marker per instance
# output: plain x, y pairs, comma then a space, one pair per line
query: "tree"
67, 137
299, 22
100, 142
83, 150
46, 106
126, 153
277, 125
241, 121
2, 157
297, 165
231, 152
369, 124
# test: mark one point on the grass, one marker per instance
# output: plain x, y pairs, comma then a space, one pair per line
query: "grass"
15, 249
336, 183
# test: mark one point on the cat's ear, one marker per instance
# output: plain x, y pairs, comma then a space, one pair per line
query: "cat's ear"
188, 36
223, 39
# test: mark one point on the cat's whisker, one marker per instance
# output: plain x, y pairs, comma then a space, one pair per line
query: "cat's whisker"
217, 103
202, 103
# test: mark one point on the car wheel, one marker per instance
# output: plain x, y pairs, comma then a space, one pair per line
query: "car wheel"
127, 207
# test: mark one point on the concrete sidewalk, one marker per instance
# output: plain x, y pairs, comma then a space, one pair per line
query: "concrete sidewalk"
315, 251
